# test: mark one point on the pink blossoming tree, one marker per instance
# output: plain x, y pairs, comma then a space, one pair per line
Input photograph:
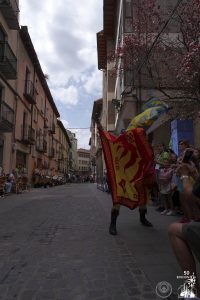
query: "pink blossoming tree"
162, 51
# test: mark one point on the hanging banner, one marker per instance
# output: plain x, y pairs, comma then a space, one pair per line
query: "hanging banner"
130, 166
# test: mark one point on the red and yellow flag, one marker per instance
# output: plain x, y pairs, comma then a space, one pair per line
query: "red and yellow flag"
130, 168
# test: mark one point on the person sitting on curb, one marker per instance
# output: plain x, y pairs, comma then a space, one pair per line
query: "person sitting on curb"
185, 238
10, 182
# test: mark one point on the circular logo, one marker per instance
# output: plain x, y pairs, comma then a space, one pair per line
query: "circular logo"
163, 289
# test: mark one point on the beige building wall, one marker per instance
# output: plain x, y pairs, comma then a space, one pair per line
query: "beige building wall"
63, 149
84, 162
9, 42
7, 138
104, 115
73, 157
33, 139
38, 112
95, 144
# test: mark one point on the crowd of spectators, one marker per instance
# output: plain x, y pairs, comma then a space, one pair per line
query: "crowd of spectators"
177, 192
168, 192
15, 181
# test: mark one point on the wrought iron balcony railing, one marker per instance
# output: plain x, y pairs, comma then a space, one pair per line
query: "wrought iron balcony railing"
41, 144
51, 152
7, 118
8, 61
28, 135
10, 11
45, 124
30, 92
52, 129
60, 155
45, 146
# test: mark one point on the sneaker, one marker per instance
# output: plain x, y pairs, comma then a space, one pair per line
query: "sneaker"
159, 209
164, 212
195, 298
171, 213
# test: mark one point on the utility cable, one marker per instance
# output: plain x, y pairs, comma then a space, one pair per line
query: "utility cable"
79, 128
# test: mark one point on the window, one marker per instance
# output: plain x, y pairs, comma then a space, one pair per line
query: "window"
2, 35
42, 106
24, 124
27, 81
128, 77
128, 8
35, 115
21, 159
1, 151
36, 86
1, 94
2, 40
128, 27
47, 113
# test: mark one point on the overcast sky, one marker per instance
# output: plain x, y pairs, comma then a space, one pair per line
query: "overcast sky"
64, 37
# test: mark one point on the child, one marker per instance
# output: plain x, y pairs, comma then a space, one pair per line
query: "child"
165, 186
175, 193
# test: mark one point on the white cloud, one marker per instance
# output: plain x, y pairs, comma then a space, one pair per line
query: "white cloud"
64, 37
88, 56
68, 96
93, 83
83, 137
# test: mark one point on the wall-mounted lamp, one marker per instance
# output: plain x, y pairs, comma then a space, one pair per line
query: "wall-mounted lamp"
117, 103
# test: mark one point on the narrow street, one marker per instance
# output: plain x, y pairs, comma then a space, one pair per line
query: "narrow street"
54, 244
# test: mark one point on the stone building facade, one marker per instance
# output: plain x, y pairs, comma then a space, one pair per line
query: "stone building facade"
31, 134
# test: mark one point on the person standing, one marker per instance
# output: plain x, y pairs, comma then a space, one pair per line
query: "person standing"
165, 187
161, 156
115, 213
11, 180
129, 161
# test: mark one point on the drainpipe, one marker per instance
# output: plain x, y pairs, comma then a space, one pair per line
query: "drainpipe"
32, 106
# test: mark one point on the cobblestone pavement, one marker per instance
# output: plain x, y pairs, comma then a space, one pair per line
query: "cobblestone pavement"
54, 244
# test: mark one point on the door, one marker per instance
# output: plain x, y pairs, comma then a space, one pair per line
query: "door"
1, 152
2, 44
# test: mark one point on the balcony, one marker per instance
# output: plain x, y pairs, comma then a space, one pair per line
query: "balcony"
10, 11
7, 118
41, 144
60, 156
30, 92
51, 152
45, 146
45, 124
28, 135
52, 129
8, 61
